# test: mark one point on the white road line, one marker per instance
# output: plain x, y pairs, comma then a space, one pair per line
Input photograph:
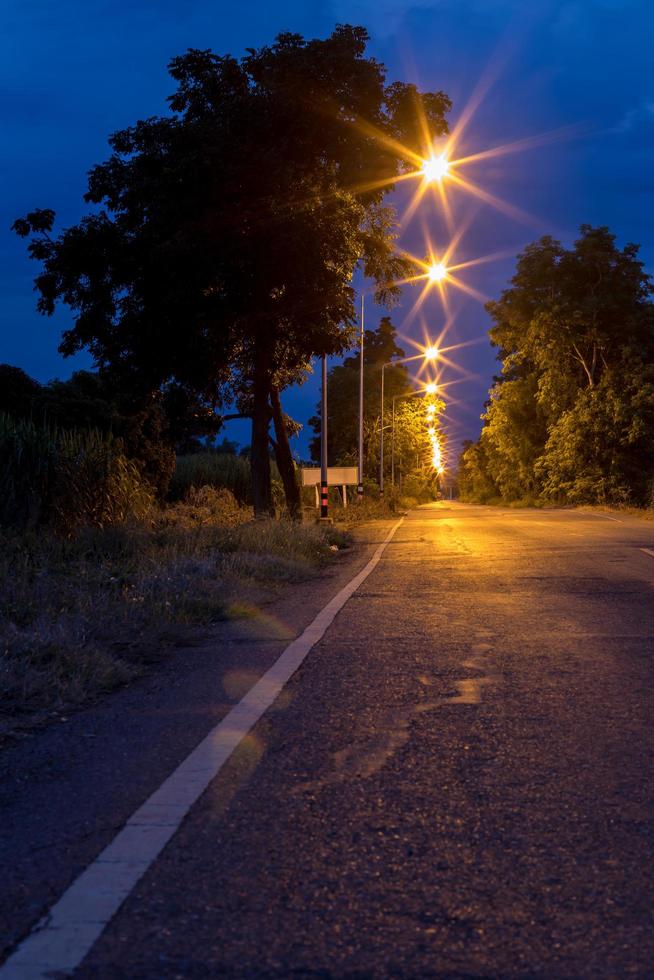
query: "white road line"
648, 551
602, 517
70, 928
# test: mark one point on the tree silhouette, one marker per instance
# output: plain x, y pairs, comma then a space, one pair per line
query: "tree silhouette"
223, 237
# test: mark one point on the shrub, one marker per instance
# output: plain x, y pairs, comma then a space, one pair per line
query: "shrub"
206, 506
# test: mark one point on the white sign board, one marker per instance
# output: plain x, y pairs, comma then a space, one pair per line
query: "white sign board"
337, 476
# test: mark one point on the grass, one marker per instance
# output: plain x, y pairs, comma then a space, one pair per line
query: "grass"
82, 615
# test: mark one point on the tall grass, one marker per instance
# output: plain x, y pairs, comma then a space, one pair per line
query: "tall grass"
221, 471
66, 478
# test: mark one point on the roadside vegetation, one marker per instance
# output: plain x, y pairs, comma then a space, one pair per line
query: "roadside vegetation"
88, 611
570, 420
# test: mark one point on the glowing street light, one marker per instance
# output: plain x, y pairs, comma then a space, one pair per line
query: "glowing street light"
436, 272
431, 353
431, 388
435, 168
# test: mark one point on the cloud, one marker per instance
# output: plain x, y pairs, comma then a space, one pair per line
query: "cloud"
382, 17
636, 118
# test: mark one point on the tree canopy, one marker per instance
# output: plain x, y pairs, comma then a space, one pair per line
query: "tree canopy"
222, 239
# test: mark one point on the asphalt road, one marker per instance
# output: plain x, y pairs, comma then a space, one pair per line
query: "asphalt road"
456, 783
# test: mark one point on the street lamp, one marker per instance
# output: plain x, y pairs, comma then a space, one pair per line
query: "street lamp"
360, 484
436, 272
324, 487
435, 168
430, 354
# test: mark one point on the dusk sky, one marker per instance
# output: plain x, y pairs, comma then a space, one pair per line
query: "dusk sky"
74, 72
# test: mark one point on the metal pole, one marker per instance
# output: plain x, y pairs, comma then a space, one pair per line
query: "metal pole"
360, 486
393, 446
381, 438
324, 503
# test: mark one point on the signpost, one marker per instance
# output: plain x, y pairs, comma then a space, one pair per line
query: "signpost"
343, 476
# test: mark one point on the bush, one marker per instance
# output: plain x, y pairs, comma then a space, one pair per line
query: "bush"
420, 487
206, 505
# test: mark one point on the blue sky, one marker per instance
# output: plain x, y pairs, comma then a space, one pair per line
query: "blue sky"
73, 72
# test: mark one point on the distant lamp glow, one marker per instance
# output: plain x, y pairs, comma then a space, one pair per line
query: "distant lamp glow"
431, 353
431, 388
435, 168
431, 411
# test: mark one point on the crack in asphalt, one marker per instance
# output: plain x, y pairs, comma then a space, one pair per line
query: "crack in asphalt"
368, 755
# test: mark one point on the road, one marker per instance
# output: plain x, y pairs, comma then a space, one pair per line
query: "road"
456, 783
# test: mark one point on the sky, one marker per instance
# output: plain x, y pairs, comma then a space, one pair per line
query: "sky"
572, 78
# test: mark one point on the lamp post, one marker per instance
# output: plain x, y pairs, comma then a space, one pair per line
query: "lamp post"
324, 487
360, 485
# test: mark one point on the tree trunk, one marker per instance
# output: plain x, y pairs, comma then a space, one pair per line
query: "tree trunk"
285, 458
260, 458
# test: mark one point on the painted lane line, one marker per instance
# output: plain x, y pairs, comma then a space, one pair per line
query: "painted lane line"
70, 928
648, 551
601, 517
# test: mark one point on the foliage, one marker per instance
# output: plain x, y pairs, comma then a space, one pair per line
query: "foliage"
474, 480
91, 401
572, 417
513, 437
223, 237
66, 478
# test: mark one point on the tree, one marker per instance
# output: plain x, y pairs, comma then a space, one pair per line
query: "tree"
224, 237
474, 478
19, 393
571, 416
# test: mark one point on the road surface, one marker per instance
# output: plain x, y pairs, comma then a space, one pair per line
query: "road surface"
456, 783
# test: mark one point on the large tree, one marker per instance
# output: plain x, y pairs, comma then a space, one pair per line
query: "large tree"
221, 246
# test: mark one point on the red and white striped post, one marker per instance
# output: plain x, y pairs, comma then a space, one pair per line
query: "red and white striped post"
324, 498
